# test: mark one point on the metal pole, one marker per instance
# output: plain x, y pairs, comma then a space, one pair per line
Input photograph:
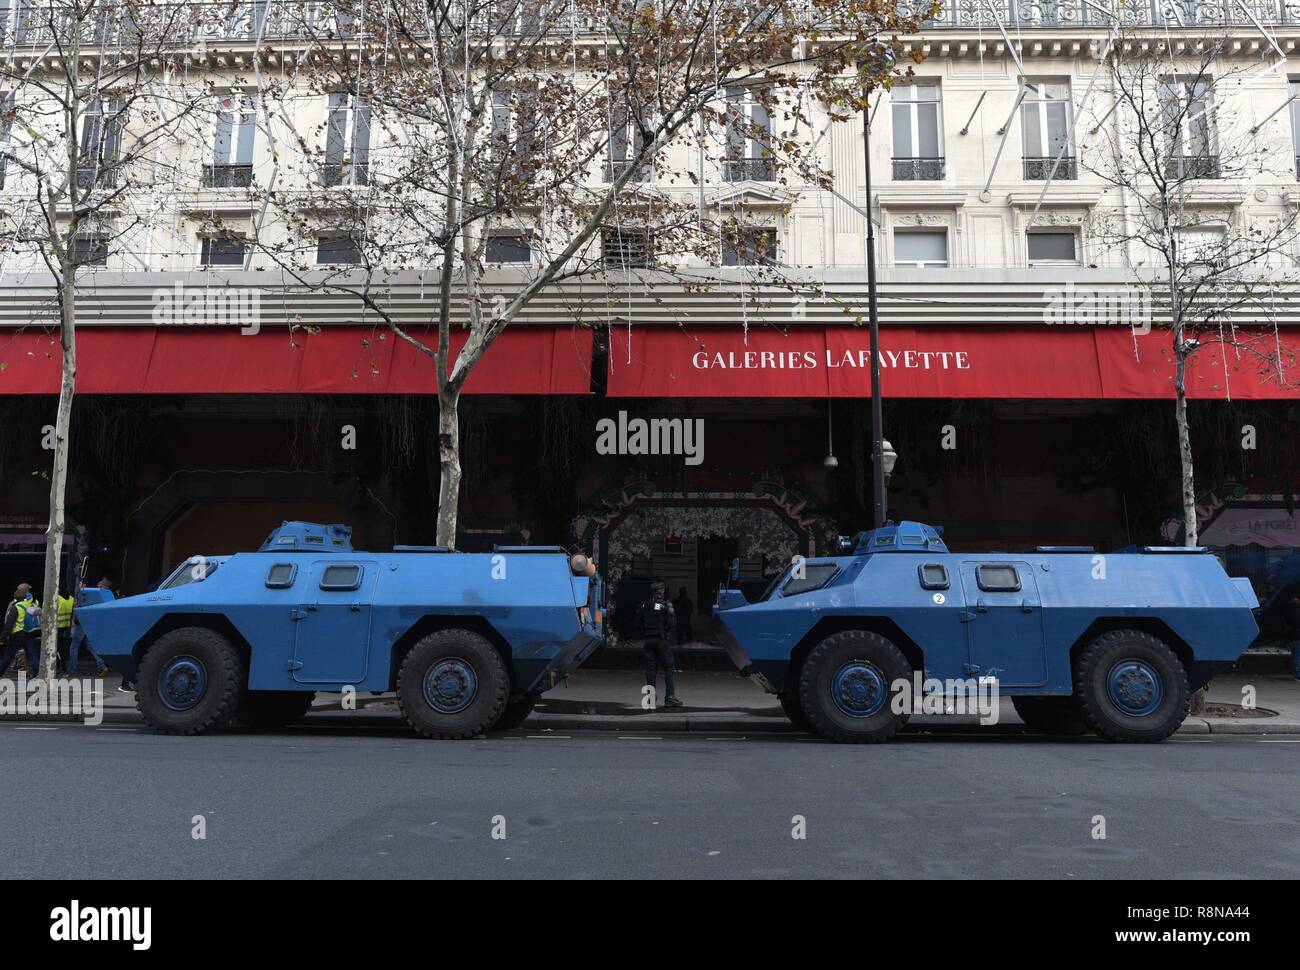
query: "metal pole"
873, 320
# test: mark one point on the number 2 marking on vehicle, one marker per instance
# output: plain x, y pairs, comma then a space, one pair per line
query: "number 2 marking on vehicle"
938, 599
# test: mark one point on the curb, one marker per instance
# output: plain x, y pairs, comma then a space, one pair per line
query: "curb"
700, 723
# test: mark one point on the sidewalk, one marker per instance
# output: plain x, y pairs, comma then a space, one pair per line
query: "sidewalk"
716, 701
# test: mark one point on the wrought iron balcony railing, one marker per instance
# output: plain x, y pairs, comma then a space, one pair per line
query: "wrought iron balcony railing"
1042, 169
228, 176
1104, 13
613, 170
1192, 167
345, 173
748, 169
181, 25
918, 169
96, 177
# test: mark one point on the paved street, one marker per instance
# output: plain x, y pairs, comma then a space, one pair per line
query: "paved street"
372, 800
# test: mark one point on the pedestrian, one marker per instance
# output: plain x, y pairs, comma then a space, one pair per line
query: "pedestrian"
683, 607
656, 624
63, 632
127, 686
79, 640
22, 628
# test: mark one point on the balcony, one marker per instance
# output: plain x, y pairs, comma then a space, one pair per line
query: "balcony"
748, 169
972, 14
614, 169
1192, 167
345, 173
918, 169
1065, 169
227, 176
95, 177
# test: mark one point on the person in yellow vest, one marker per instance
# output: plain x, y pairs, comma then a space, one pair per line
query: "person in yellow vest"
63, 619
22, 630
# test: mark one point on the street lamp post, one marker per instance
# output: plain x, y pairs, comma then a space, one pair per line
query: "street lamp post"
873, 322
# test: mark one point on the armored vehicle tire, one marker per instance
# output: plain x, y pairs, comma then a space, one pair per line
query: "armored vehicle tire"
191, 681
844, 687
516, 712
453, 684
1131, 687
790, 704
1050, 715
275, 708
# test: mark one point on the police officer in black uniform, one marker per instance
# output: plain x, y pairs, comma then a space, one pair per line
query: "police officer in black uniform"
657, 622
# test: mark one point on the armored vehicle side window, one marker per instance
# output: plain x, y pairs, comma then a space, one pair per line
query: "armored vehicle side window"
934, 575
815, 577
194, 570
1000, 578
281, 575
341, 578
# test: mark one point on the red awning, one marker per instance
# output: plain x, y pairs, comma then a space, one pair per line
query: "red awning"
342, 360
944, 362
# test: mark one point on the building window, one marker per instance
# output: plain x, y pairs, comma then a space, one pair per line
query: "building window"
232, 156
101, 144
626, 141
514, 126
1295, 122
90, 250
1045, 120
749, 247
1052, 247
338, 250
1187, 116
223, 251
626, 249
749, 130
918, 132
1201, 245
922, 248
347, 141
507, 248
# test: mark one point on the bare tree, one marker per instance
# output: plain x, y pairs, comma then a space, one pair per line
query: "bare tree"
507, 148
89, 106
1214, 262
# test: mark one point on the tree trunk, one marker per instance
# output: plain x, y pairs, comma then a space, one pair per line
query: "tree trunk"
449, 465
59, 481
1190, 530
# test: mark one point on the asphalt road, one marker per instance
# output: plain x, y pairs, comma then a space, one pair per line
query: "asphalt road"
120, 802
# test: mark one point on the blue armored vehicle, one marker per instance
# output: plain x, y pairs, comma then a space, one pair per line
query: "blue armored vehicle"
1112, 644
467, 640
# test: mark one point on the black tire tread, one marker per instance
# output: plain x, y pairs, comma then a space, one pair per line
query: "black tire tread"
1085, 667
811, 703
234, 680
793, 710
489, 655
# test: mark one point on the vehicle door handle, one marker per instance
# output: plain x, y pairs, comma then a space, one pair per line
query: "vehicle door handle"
356, 607
1027, 606
297, 614
981, 606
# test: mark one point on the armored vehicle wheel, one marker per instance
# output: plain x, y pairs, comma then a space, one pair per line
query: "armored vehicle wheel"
515, 712
191, 681
844, 687
453, 684
790, 704
1050, 715
1131, 687
275, 708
